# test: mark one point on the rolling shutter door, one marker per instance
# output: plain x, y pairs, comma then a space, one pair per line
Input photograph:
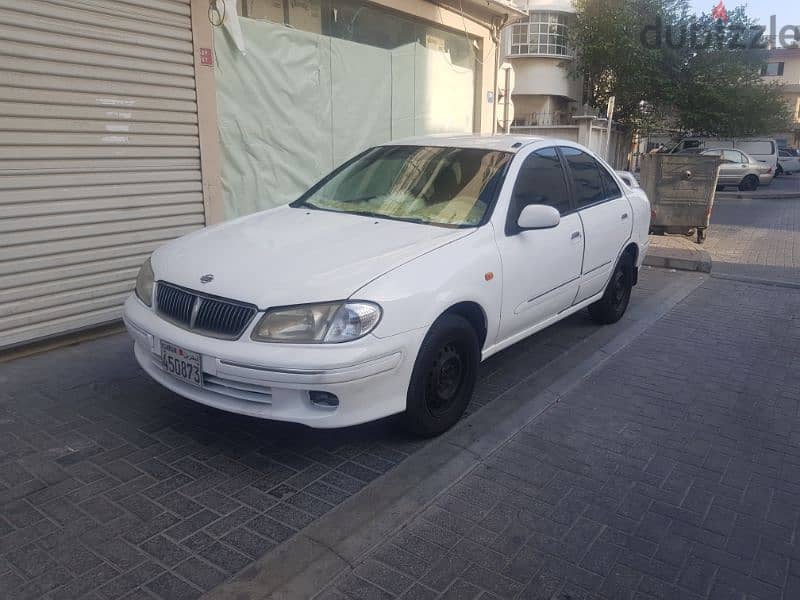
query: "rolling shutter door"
99, 155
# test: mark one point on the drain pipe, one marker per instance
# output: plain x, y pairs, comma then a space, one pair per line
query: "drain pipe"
496, 39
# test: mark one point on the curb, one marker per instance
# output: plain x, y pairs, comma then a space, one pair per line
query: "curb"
670, 259
761, 196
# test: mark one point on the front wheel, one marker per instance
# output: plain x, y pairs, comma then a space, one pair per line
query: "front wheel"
444, 376
610, 308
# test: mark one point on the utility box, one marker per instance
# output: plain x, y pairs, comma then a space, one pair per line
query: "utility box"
681, 190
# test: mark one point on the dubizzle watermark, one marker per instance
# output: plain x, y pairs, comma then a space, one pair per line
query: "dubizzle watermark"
719, 35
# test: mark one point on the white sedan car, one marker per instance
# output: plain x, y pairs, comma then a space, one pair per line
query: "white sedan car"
788, 162
381, 289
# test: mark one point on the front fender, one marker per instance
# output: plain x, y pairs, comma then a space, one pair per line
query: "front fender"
415, 294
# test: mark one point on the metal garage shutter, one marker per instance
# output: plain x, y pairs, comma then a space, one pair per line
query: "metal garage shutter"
99, 155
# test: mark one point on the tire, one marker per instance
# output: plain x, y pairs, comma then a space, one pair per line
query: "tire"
610, 308
720, 188
779, 171
701, 236
444, 376
749, 184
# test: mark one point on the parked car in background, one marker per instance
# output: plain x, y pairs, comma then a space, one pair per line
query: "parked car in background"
741, 170
380, 289
629, 179
764, 150
788, 162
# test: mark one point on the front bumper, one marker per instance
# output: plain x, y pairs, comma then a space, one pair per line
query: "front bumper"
369, 376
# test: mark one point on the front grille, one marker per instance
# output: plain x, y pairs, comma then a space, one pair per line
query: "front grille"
206, 315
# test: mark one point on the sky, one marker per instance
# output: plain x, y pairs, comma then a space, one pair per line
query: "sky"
787, 11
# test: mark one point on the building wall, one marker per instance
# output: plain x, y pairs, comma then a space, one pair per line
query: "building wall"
790, 80
545, 76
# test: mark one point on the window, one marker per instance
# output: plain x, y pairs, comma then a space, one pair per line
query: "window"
733, 156
586, 177
773, 69
540, 181
610, 188
364, 22
753, 148
424, 184
542, 33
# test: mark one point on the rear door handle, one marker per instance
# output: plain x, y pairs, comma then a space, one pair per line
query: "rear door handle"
576, 235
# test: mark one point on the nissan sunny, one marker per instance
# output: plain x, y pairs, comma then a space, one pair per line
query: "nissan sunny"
381, 289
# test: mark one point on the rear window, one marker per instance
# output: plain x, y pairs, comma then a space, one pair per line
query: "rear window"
761, 148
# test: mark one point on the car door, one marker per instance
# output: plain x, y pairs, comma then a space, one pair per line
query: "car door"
736, 166
606, 216
727, 175
542, 267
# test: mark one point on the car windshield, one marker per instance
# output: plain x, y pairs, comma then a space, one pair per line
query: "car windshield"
425, 184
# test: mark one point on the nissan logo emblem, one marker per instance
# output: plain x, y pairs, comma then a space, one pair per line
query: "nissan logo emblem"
207, 278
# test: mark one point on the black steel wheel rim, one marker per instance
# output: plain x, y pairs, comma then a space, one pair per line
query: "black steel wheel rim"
445, 379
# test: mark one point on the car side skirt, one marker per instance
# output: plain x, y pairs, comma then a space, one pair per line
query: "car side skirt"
510, 341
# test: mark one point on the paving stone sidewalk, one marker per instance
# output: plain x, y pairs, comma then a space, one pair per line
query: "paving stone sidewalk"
671, 473
113, 487
757, 238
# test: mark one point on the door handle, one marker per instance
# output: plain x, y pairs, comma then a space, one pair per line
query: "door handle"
576, 235
624, 216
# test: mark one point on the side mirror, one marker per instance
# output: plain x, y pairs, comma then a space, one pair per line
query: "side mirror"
538, 216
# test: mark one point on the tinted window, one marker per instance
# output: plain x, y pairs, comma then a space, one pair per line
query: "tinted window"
585, 176
541, 181
610, 186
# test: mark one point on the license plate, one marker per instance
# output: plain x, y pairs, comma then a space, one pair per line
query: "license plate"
182, 364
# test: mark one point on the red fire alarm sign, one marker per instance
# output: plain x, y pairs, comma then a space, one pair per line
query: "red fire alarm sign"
206, 58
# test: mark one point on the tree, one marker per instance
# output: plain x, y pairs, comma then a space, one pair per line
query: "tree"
671, 69
721, 90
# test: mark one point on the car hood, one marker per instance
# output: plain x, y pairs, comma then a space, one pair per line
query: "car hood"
290, 255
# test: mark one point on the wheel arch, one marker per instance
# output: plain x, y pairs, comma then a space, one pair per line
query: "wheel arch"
632, 250
474, 314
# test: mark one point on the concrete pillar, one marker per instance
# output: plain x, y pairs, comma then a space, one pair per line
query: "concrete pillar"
210, 163
584, 128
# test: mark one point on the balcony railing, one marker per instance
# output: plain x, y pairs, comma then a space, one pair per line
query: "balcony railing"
542, 119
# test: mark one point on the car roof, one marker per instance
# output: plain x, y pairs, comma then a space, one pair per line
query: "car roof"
505, 143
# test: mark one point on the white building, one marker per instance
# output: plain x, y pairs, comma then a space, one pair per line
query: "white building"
538, 49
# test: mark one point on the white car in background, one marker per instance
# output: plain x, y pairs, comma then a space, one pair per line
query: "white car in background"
788, 162
381, 289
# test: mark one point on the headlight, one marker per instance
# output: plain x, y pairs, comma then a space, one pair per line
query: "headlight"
144, 283
325, 323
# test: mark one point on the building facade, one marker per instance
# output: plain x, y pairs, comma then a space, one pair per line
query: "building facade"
538, 48
110, 137
783, 67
